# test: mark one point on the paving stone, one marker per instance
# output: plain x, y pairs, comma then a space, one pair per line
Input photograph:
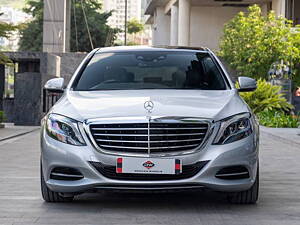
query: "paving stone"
21, 202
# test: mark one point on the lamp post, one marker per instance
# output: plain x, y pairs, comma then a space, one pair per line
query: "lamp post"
125, 34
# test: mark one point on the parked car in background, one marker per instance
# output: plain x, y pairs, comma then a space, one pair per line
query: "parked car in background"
147, 118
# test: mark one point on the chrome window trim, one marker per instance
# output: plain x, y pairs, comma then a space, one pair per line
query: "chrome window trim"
148, 120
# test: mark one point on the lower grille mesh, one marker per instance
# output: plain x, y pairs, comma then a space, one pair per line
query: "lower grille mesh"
187, 172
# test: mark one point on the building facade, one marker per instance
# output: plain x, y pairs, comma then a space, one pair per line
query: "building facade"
200, 22
117, 20
56, 26
292, 11
12, 16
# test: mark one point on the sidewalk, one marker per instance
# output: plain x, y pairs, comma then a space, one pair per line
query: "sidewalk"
11, 131
289, 134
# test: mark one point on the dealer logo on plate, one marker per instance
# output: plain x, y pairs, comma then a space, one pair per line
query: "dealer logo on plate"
148, 164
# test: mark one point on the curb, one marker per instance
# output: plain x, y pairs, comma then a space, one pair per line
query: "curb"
18, 135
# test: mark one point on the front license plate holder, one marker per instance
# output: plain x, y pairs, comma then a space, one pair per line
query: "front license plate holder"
137, 165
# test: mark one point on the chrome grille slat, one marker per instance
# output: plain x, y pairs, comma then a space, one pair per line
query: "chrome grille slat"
186, 134
120, 147
126, 147
152, 135
174, 128
167, 147
109, 128
125, 141
148, 138
166, 141
151, 128
123, 135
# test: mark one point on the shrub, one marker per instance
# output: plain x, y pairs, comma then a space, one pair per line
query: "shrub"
277, 119
266, 98
252, 42
2, 117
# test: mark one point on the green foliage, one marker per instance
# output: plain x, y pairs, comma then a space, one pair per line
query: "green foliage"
266, 98
32, 32
277, 119
101, 33
134, 26
5, 32
2, 117
6, 29
252, 42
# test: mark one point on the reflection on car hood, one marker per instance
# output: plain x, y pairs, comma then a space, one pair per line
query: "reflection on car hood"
215, 105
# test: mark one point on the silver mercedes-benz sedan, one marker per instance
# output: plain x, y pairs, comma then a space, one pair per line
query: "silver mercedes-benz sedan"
147, 118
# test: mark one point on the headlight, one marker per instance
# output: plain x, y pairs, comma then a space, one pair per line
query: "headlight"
64, 129
234, 128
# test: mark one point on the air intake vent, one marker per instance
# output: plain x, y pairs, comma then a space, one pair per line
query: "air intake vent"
65, 173
110, 172
233, 173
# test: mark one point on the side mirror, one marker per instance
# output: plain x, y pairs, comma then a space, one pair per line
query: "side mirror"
55, 85
246, 84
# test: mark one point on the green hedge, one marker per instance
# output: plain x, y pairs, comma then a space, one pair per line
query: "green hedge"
271, 108
278, 119
266, 97
2, 117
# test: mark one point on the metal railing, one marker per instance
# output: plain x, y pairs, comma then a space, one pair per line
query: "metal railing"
49, 99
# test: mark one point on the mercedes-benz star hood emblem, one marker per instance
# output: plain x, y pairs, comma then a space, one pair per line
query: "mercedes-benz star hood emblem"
148, 105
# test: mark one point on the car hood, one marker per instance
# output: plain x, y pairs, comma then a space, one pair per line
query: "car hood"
214, 105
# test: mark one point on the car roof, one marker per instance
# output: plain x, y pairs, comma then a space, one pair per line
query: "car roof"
151, 48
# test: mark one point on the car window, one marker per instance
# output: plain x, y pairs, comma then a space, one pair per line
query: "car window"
150, 70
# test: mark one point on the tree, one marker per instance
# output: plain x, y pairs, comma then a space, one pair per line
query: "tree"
101, 33
134, 26
253, 42
5, 32
32, 32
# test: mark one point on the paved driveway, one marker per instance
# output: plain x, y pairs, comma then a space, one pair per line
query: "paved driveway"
21, 203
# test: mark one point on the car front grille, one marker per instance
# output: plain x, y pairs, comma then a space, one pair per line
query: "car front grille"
188, 171
149, 138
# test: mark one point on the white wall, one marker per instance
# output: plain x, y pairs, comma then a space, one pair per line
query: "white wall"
56, 26
161, 28
207, 23
279, 7
264, 8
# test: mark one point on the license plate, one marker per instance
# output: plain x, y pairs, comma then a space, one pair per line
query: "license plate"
148, 165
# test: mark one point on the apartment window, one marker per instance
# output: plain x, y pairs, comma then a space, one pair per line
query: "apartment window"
293, 11
296, 12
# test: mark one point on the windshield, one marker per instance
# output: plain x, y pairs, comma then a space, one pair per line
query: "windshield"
150, 70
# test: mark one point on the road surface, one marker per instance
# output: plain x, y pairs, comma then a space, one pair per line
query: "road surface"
21, 202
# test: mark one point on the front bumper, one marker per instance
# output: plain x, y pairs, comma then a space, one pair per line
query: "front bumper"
57, 154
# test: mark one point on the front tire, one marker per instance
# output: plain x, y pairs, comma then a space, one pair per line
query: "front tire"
51, 196
246, 197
